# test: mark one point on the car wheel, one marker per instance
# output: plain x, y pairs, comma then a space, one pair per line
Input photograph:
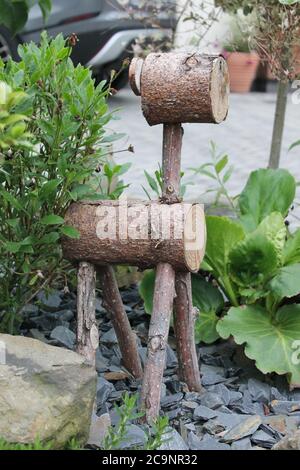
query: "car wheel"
8, 45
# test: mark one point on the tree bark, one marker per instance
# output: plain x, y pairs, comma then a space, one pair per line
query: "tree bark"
184, 322
183, 312
278, 128
138, 234
164, 292
113, 303
172, 144
87, 330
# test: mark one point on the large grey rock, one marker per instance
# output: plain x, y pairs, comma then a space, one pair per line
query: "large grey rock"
45, 392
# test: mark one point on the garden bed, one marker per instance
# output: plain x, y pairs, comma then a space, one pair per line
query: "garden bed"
239, 409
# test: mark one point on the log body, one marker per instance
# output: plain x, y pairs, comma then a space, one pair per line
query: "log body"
180, 87
139, 234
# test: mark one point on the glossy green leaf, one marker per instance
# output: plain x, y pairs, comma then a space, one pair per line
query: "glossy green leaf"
70, 232
286, 283
146, 290
274, 229
222, 236
272, 343
253, 261
209, 301
291, 251
266, 191
52, 219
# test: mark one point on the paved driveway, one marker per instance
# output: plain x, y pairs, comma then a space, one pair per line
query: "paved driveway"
245, 136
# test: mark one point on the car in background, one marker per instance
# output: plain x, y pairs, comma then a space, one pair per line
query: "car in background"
105, 28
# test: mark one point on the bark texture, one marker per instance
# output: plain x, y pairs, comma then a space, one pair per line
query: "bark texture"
87, 330
281, 105
148, 238
180, 87
158, 336
184, 322
112, 301
172, 144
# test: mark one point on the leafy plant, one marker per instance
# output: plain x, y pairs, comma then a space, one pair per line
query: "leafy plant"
249, 287
155, 184
260, 271
14, 13
127, 413
219, 171
238, 39
53, 150
275, 36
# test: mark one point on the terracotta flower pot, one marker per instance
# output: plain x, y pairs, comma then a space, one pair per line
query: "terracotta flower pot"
242, 70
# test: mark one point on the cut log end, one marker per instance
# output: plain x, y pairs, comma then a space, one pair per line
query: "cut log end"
220, 89
194, 238
135, 72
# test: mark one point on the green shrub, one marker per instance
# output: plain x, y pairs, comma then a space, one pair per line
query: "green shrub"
14, 13
52, 139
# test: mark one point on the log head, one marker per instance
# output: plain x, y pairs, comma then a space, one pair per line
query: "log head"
179, 87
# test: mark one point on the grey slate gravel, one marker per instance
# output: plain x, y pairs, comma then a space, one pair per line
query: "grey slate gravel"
50, 302
242, 444
212, 400
259, 391
104, 390
171, 400
285, 407
173, 441
207, 443
263, 439
135, 437
63, 336
203, 413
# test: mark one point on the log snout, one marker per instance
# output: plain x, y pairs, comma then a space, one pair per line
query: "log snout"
139, 234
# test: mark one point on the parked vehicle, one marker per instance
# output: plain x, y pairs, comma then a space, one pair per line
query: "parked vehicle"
105, 30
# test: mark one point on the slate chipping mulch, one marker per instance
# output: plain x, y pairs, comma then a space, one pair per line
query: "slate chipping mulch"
240, 408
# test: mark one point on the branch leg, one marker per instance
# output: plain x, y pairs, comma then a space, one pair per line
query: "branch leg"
113, 303
87, 330
184, 322
158, 336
